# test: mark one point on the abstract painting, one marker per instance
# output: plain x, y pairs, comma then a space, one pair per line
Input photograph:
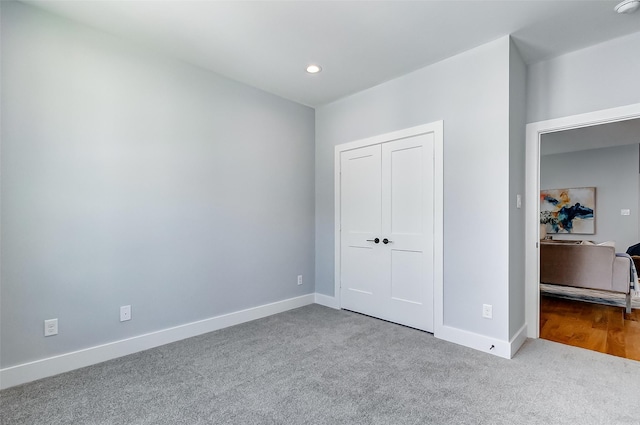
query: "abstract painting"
568, 210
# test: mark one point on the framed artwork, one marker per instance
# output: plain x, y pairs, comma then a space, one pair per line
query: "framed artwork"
569, 210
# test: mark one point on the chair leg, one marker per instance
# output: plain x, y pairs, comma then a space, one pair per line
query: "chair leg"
628, 302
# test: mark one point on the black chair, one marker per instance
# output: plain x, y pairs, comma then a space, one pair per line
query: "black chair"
634, 249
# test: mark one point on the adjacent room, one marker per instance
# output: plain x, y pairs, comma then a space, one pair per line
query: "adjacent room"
313, 212
584, 298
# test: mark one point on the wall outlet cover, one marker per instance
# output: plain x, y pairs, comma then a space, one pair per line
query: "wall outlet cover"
125, 313
51, 327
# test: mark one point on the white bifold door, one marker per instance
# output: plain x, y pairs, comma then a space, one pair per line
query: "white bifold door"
386, 230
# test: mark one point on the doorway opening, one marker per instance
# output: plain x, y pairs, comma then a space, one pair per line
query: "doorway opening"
558, 137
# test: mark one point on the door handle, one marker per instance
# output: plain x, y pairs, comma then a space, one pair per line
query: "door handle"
386, 241
376, 240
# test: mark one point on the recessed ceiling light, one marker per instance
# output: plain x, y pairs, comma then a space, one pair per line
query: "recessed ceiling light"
627, 6
313, 69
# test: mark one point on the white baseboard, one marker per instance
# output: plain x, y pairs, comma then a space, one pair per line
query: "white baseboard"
39, 369
326, 301
518, 339
497, 347
479, 342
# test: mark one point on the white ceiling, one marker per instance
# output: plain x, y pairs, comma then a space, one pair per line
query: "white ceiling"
359, 44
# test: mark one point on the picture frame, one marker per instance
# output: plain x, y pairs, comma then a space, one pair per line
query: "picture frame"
569, 210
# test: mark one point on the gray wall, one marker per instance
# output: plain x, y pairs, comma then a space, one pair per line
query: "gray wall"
614, 173
517, 116
131, 179
470, 92
598, 77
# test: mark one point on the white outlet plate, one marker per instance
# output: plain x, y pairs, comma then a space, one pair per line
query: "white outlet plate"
299, 279
125, 313
625, 212
487, 311
51, 327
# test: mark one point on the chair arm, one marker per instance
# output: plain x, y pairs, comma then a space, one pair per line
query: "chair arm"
621, 275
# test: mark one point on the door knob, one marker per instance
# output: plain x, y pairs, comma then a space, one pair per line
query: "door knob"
376, 240
386, 241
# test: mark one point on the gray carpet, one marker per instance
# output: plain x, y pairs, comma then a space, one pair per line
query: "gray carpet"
316, 365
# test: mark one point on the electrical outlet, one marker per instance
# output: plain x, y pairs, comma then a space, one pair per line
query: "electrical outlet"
625, 212
125, 313
487, 311
51, 327
299, 279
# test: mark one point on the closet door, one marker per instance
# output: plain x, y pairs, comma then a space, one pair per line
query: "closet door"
387, 231
361, 223
407, 224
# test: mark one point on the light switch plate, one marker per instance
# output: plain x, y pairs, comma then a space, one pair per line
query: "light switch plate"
487, 311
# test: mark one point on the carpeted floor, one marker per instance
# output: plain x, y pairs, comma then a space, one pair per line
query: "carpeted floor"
316, 365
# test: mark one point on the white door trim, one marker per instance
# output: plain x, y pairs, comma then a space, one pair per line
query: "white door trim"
437, 129
532, 258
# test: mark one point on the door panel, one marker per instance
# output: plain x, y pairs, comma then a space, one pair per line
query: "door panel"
361, 190
406, 190
407, 219
355, 276
406, 269
360, 221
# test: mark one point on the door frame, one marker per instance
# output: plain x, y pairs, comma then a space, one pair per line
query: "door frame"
532, 177
436, 128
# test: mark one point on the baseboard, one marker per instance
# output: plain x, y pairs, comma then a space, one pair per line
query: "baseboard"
476, 341
326, 301
468, 339
39, 369
518, 339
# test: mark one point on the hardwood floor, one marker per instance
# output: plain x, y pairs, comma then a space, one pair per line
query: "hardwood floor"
596, 327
